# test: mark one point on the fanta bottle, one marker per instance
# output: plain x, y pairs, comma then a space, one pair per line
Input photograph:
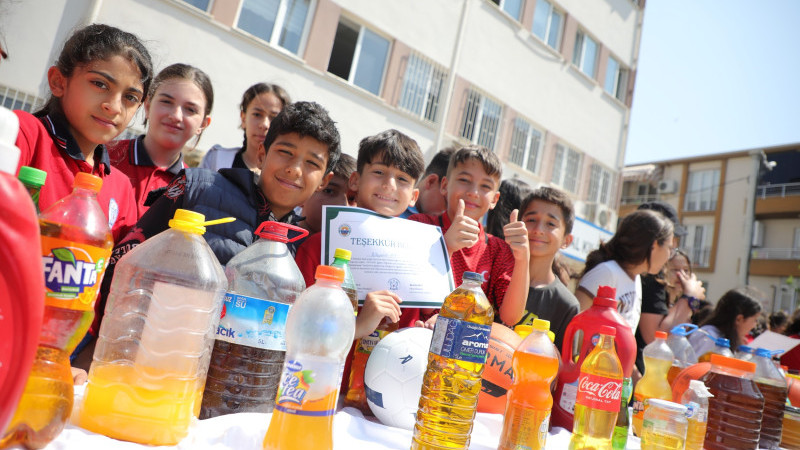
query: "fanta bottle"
76, 243
695, 399
657, 361
250, 344
319, 332
581, 336
599, 395
456, 359
154, 345
21, 279
527, 416
772, 386
682, 350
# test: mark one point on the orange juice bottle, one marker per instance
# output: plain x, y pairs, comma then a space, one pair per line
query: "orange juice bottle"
657, 362
154, 345
319, 332
529, 403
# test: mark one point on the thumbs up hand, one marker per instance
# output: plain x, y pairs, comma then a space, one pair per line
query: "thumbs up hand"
517, 237
463, 231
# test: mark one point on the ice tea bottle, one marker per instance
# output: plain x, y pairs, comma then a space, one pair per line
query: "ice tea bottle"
76, 243
456, 359
154, 345
319, 333
597, 402
736, 408
21, 278
695, 399
250, 344
773, 387
527, 415
657, 362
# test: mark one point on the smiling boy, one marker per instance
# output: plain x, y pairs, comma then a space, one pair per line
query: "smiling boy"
471, 188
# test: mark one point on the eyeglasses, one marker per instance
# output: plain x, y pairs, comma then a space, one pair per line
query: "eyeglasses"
672, 252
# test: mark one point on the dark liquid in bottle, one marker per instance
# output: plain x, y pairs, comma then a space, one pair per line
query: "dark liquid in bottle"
734, 413
774, 406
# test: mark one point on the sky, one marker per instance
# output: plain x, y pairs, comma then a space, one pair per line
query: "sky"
715, 76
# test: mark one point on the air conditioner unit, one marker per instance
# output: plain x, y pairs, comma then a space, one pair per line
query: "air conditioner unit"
604, 217
667, 186
758, 234
590, 211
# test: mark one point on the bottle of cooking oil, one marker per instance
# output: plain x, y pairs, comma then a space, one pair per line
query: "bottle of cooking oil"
455, 364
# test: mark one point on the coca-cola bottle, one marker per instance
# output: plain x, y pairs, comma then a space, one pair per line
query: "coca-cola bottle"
598, 399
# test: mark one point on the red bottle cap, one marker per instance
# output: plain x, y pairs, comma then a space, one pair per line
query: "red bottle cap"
279, 231
606, 292
608, 331
661, 335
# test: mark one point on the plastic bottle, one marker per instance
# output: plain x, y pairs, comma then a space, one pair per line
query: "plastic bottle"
736, 408
580, 337
772, 386
681, 348
657, 361
250, 344
664, 426
722, 347
457, 356
76, 244
790, 438
21, 279
33, 179
599, 395
527, 415
745, 353
341, 259
695, 399
319, 333
154, 345
619, 440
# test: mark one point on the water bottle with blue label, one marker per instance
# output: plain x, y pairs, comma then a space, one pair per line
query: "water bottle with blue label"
250, 346
455, 364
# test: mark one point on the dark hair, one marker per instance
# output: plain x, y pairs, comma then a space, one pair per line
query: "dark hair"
561, 270
440, 161
344, 167
308, 119
744, 301
794, 324
512, 191
99, 42
703, 311
185, 72
254, 91
394, 149
491, 163
778, 319
556, 197
633, 241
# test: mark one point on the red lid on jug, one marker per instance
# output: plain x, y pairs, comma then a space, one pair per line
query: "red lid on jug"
606, 296
279, 231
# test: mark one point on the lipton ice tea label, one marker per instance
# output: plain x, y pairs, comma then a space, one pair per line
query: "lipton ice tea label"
599, 392
309, 386
72, 273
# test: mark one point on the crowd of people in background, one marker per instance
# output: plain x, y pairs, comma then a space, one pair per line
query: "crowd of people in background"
290, 164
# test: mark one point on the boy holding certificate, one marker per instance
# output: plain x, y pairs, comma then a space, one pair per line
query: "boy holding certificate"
387, 169
471, 187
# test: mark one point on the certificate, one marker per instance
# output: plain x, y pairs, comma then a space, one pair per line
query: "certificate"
406, 257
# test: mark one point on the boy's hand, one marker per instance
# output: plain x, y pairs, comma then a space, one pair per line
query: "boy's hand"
428, 323
377, 305
463, 231
517, 237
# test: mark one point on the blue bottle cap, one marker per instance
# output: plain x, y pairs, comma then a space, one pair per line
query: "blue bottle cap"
745, 349
763, 352
723, 342
683, 329
472, 276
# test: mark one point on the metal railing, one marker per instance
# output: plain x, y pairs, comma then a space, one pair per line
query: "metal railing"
775, 253
778, 190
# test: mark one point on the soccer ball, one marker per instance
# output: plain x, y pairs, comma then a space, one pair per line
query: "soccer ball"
393, 376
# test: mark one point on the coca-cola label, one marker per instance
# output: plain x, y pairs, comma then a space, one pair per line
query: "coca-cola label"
598, 392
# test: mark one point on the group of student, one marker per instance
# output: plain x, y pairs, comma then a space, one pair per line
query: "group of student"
290, 164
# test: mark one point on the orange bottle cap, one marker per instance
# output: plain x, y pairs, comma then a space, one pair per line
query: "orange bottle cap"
733, 363
661, 335
329, 273
88, 181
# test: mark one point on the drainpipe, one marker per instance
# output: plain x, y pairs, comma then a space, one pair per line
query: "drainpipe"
94, 11
451, 76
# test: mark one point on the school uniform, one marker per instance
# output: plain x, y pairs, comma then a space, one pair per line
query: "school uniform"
131, 158
46, 143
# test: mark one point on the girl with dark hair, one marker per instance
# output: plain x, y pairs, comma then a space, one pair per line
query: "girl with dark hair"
97, 84
642, 243
735, 315
261, 102
176, 110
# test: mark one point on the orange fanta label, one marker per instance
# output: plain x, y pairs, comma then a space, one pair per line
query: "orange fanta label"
72, 273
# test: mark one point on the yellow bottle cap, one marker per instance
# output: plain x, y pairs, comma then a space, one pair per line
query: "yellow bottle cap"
342, 254
552, 336
192, 222
523, 330
541, 325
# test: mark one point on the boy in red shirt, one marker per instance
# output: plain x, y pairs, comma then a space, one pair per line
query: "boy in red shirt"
471, 187
387, 169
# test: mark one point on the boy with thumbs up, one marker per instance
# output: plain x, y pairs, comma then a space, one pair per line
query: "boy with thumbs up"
471, 188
